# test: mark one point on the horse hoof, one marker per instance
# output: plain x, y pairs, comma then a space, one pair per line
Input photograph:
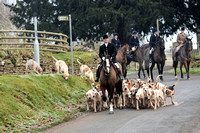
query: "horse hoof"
188, 78
176, 77
121, 107
111, 112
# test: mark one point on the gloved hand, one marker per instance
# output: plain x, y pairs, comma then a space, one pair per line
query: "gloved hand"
103, 58
133, 48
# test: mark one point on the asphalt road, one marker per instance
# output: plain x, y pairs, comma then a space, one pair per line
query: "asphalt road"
183, 117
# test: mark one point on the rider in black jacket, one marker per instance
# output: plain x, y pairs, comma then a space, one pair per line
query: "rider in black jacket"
153, 39
112, 52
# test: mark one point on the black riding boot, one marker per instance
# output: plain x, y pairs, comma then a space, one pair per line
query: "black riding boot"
97, 74
120, 75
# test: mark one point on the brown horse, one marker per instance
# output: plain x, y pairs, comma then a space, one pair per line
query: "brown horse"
109, 80
184, 57
121, 57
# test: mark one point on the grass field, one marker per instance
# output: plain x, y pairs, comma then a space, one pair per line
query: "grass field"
30, 103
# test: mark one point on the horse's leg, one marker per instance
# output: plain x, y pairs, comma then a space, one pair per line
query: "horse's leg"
151, 69
125, 73
146, 67
162, 67
188, 65
110, 93
139, 71
175, 63
181, 69
158, 66
143, 69
186, 69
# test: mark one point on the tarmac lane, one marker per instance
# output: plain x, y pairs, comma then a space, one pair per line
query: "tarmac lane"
183, 117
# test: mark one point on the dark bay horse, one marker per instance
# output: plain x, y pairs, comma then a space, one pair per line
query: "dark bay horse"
158, 58
138, 57
184, 57
121, 57
109, 80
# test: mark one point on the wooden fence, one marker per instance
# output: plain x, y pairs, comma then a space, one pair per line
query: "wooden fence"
24, 39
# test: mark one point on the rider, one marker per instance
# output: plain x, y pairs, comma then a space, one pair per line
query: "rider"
180, 40
112, 52
134, 42
153, 39
116, 41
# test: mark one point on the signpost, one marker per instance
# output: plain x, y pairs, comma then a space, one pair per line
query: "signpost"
36, 43
157, 23
68, 18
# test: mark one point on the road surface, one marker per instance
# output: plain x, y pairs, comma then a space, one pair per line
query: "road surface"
183, 117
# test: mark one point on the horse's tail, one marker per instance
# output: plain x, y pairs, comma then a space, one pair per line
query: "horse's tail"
54, 58
79, 62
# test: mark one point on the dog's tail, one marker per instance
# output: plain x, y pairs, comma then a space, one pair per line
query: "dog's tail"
79, 62
157, 78
54, 58
176, 83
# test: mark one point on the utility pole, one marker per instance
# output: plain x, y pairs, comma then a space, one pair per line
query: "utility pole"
36, 43
157, 23
68, 18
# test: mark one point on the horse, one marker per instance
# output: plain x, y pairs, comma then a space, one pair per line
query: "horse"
158, 58
109, 80
138, 57
184, 57
121, 57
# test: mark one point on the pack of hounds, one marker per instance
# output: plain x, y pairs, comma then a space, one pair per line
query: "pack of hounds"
136, 94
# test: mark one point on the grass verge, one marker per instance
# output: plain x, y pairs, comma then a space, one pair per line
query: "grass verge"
30, 103
192, 70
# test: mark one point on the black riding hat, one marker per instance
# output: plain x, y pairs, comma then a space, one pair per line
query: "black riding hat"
105, 36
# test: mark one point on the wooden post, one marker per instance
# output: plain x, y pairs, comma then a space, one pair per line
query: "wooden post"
60, 38
24, 36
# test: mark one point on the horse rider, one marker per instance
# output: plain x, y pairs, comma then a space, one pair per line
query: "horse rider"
180, 40
112, 52
133, 42
116, 41
153, 39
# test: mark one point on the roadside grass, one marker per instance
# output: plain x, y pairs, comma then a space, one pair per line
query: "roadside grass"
192, 70
84, 56
31, 103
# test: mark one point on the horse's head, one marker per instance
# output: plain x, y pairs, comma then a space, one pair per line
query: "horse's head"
107, 64
161, 44
188, 43
124, 49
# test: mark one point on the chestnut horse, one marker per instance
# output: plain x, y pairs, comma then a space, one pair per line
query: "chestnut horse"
109, 80
121, 57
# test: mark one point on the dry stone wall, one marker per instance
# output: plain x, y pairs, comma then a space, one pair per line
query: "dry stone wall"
13, 62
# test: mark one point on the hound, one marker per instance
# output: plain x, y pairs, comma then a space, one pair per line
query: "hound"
33, 65
61, 67
86, 71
